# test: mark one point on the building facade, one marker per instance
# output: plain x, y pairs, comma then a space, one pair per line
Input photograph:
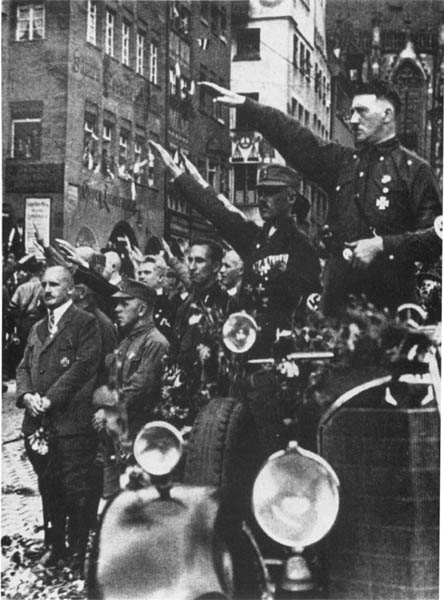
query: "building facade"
87, 84
280, 58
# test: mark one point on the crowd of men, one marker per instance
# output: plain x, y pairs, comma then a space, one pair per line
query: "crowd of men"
87, 337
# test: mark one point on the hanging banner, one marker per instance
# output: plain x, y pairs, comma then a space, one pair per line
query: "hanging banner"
37, 215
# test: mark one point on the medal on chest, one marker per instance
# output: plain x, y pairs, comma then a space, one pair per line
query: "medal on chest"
382, 203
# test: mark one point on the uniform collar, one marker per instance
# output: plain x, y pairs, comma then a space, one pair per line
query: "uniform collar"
278, 223
381, 149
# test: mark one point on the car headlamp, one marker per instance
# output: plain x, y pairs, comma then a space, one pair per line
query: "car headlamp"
296, 497
239, 332
158, 448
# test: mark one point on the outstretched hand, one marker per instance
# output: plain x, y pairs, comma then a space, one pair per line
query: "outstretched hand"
70, 253
226, 96
167, 160
193, 171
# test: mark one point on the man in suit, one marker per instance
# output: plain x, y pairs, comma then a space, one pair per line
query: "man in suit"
55, 382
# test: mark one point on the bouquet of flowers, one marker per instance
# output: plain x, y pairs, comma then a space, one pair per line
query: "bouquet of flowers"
188, 386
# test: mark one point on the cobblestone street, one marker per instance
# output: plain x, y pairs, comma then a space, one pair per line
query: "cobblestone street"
21, 505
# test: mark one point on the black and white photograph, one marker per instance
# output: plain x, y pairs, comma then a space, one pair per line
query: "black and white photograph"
221, 299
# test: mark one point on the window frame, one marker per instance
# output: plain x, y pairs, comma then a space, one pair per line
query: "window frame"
154, 66
248, 54
110, 22
140, 52
125, 45
31, 7
19, 120
91, 22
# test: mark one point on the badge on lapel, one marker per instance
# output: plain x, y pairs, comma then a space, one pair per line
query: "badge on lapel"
65, 362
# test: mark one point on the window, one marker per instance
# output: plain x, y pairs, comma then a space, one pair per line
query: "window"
91, 23
108, 163
154, 52
180, 18
294, 107
212, 174
140, 53
223, 23
215, 15
242, 123
173, 81
140, 168
302, 58
205, 10
306, 118
245, 178
26, 138
107, 135
295, 50
123, 147
248, 44
300, 113
90, 141
30, 22
308, 64
109, 33
125, 43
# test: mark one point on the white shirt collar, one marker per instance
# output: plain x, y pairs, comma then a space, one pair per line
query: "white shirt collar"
61, 310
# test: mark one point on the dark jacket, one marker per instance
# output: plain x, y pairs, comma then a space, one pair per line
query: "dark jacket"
63, 368
279, 270
383, 189
188, 333
136, 368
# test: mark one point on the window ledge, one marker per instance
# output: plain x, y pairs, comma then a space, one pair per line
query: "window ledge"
29, 41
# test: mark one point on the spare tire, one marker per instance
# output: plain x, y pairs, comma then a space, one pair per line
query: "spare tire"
224, 451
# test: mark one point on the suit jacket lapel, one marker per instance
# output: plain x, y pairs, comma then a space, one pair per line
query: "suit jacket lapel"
60, 326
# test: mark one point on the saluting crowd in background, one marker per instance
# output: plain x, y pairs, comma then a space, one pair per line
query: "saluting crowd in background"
89, 334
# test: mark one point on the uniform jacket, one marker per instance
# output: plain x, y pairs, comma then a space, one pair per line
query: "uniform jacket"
163, 315
382, 189
185, 337
136, 367
281, 266
63, 368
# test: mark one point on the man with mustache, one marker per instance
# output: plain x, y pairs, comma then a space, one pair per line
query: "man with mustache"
55, 383
378, 193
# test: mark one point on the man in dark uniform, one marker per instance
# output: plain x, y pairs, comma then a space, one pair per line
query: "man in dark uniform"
377, 194
55, 383
281, 266
204, 261
136, 365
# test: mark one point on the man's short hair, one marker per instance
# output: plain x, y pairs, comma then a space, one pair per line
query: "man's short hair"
381, 89
158, 261
216, 250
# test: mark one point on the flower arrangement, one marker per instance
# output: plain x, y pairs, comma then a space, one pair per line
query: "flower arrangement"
38, 441
191, 381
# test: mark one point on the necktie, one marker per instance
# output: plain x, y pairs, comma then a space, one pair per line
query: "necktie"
52, 328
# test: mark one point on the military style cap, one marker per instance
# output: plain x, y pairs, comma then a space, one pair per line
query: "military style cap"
130, 288
277, 176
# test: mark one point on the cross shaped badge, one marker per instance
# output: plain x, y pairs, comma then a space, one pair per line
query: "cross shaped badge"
382, 202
